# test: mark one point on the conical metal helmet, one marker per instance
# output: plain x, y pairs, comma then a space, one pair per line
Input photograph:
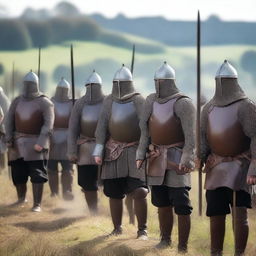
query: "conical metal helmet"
63, 83
31, 77
226, 70
123, 74
94, 78
165, 72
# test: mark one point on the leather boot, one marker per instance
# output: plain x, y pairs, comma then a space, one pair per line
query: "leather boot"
184, 225
116, 210
21, 193
165, 215
217, 229
91, 198
53, 182
67, 180
37, 195
130, 208
241, 230
140, 208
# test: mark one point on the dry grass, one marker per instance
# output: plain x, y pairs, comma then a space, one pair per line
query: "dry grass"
67, 229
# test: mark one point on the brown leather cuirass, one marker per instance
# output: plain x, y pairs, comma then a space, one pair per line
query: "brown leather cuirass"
89, 119
62, 111
224, 132
164, 127
124, 123
28, 117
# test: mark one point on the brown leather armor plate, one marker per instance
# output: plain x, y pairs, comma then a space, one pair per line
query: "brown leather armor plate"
89, 119
124, 123
224, 132
62, 111
164, 127
28, 117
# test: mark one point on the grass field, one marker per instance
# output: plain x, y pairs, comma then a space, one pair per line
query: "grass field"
109, 58
67, 229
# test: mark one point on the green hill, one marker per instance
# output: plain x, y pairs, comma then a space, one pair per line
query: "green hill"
107, 59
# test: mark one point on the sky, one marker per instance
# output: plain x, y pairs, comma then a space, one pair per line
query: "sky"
244, 10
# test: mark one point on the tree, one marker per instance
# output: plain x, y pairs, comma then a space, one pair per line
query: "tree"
14, 35
248, 63
66, 9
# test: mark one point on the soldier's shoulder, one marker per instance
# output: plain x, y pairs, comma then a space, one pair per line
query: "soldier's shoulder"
108, 99
138, 97
247, 105
46, 101
16, 99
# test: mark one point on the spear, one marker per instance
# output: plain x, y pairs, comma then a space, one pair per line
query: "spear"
72, 74
200, 187
39, 65
13, 80
133, 56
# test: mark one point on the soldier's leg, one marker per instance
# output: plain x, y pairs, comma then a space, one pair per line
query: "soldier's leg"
20, 174
53, 176
88, 180
240, 222
160, 199
139, 192
114, 189
38, 175
217, 208
183, 209
129, 202
67, 179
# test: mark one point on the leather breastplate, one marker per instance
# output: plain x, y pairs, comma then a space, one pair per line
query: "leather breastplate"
89, 119
62, 111
124, 122
224, 132
164, 127
28, 117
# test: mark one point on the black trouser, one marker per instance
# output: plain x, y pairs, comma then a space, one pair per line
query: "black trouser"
163, 196
119, 187
21, 170
220, 200
88, 177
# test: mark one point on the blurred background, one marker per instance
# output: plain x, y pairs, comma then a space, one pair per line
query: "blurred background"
103, 33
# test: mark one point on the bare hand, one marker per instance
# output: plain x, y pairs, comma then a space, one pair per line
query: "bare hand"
184, 169
98, 160
251, 179
198, 163
73, 159
38, 148
139, 163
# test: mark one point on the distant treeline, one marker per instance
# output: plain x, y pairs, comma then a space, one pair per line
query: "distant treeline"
182, 33
21, 34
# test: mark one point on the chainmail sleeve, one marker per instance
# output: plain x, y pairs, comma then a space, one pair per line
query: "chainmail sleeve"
47, 128
144, 137
10, 121
247, 118
101, 132
185, 111
74, 128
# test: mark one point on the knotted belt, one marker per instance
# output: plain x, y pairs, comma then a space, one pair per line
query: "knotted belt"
159, 162
115, 148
